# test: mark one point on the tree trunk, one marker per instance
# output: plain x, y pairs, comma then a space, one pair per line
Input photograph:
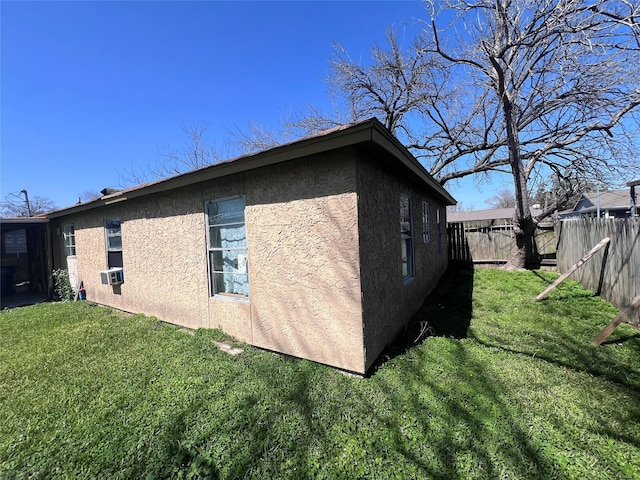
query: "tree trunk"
522, 252
523, 224
524, 227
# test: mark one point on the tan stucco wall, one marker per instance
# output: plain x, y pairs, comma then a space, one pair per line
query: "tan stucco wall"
303, 257
301, 220
323, 257
164, 256
388, 301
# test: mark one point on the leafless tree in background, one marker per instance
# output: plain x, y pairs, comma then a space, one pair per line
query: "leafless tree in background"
15, 205
542, 90
551, 83
503, 199
198, 152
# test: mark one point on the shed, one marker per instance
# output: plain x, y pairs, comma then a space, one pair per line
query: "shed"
322, 249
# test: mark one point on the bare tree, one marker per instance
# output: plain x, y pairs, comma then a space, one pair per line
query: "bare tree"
553, 81
541, 90
257, 137
198, 152
503, 199
397, 87
461, 207
88, 196
19, 204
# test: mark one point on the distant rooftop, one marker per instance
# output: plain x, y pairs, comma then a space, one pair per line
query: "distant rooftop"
615, 199
490, 214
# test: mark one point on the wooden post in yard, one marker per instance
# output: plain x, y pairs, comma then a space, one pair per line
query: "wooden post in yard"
575, 266
608, 330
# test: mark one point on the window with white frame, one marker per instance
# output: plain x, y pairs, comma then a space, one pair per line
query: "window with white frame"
113, 237
227, 244
406, 236
426, 226
69, 235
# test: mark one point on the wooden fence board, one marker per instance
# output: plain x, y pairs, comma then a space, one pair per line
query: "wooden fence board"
490, 241
614, 272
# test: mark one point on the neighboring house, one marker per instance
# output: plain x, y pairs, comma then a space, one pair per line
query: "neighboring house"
323, 248
613, 204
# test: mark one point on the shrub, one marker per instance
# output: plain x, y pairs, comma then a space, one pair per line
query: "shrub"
62, 286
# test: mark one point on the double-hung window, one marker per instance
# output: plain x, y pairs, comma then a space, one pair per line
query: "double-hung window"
113, 236
228, 247
426, 226
406, 237
69, 234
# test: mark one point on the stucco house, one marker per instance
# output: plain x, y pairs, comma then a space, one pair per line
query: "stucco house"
322, 249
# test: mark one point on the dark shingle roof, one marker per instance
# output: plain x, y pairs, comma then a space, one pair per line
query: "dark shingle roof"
615, 199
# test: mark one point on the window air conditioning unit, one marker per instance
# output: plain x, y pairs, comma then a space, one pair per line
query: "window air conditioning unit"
113, 276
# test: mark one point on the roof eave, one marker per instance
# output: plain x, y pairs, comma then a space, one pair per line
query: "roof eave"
369, 131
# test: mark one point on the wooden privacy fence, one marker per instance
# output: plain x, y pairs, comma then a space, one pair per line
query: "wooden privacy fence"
614, 271
490, 241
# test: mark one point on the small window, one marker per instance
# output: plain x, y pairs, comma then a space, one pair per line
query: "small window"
69, 234
426, 226
406, 236
113, 236
228, 247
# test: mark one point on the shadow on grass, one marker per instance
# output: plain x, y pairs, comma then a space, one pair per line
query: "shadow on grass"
470, 426
448, 308
621, 340
446, 312
290, 420
563, 350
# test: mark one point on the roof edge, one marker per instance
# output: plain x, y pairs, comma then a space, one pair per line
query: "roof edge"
363, 132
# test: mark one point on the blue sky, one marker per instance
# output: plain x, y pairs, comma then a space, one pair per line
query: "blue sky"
90, 89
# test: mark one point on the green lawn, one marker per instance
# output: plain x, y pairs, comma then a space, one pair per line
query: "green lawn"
506, 388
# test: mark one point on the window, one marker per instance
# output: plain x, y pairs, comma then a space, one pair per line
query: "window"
15, 241
406, 236
426, 226
69, 234
113, 236
228, 247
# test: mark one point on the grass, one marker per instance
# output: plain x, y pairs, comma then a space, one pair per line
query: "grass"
506, 388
